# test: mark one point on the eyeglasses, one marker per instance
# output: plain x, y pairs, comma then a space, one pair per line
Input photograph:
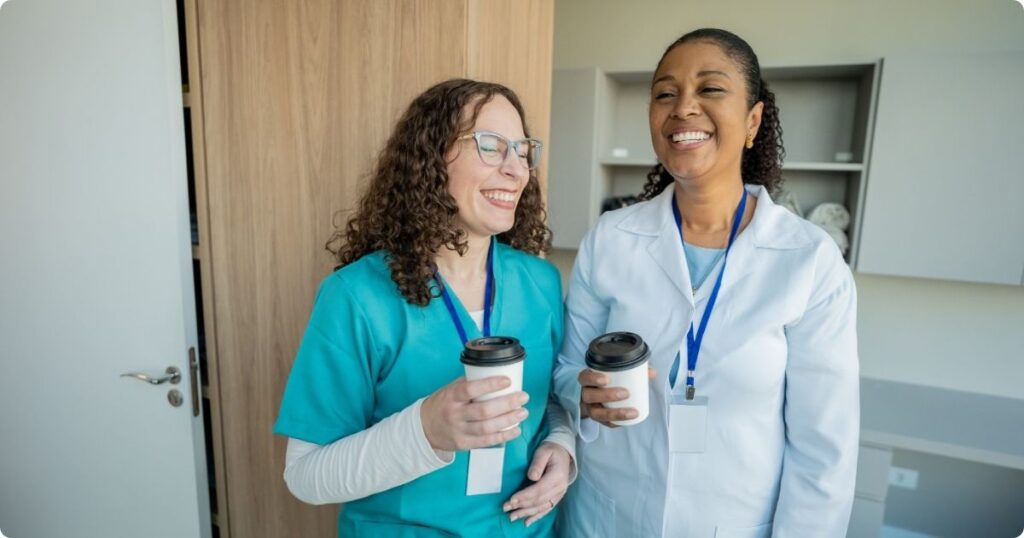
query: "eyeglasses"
493, 148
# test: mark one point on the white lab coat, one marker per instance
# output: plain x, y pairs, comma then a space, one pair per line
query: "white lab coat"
778, 364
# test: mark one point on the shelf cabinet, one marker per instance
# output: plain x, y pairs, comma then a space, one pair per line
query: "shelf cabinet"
601, 147
195, 151
946, 183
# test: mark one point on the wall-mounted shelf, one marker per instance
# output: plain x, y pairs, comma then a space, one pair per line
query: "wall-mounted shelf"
825, 110
823, 167
807, 166
641, 163
945, 193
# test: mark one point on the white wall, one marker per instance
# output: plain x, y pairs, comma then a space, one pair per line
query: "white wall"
944, 334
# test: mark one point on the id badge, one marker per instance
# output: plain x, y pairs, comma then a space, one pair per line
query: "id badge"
485, 469
688, 425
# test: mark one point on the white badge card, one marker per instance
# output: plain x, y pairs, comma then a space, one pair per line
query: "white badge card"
688, 425
485, 468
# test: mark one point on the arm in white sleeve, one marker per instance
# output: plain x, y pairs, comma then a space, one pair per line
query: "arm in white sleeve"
822, 410
388, 454
561, 433
585, 318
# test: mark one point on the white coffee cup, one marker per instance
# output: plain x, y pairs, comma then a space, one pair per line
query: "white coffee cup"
494, 356
623, 357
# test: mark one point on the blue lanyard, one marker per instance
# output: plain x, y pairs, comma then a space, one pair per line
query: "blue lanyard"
488, 288
693, 344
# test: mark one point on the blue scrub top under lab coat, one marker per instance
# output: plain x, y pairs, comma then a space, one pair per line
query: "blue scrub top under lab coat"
368, 354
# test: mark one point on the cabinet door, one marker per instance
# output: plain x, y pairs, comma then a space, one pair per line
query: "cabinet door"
866, 518
945, 187
873, 463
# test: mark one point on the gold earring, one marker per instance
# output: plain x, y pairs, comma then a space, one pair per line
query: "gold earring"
750, 141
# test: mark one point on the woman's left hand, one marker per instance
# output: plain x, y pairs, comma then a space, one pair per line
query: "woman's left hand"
549, 471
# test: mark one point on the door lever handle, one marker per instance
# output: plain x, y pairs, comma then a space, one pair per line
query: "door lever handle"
173, 376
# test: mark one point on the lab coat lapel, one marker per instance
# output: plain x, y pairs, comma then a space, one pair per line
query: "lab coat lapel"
665, 249
743, 255
765, 231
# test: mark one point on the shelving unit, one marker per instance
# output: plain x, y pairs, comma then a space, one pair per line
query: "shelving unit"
600, 140
201, 262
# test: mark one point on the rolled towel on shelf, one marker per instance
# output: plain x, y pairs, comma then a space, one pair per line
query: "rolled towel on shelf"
839, 236
830, 214
834, 219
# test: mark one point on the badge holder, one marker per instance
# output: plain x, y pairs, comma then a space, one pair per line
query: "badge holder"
485, 470
688, 424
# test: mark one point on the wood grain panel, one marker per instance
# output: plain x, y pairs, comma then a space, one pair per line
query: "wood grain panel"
512, 43
298, 98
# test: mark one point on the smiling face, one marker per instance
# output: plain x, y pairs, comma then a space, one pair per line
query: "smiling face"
487, 195
698, 116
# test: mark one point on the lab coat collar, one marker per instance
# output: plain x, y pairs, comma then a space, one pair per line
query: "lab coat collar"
766, 230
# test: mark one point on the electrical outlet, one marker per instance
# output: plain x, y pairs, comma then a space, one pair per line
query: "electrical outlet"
903, 478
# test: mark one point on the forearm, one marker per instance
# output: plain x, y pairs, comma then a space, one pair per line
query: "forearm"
390, 453
562, 433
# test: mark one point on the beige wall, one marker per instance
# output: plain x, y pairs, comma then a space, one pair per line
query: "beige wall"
619, 35
937, 333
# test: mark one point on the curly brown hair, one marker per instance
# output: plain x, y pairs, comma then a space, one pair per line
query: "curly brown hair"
761, 164
407, 211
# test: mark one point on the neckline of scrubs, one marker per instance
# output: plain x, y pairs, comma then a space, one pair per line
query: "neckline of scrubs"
472, 329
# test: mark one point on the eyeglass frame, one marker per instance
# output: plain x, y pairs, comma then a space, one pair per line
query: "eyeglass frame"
510, 146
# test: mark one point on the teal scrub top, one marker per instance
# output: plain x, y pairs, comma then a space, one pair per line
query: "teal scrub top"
368, 354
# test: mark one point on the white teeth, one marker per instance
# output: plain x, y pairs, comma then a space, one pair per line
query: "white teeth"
690, 136
500, 196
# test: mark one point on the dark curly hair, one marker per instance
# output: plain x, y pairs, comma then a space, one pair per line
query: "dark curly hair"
406, 209
761, 164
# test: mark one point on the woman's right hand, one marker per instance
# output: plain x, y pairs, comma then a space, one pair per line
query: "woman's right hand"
452, 421
596, 393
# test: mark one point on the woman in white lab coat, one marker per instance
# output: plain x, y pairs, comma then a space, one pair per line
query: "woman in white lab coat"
767, 445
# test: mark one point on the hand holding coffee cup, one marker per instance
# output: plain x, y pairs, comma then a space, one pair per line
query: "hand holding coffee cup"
453, 421
483, 408
615, 386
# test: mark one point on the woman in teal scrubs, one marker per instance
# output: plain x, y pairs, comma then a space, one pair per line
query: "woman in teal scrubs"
442, 249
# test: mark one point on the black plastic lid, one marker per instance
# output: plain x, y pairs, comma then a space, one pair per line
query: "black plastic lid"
492, 351
617, 351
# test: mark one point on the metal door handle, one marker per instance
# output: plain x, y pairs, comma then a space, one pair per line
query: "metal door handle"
173, 376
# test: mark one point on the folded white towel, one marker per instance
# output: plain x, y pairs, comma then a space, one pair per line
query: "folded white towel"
839, 236
830, 214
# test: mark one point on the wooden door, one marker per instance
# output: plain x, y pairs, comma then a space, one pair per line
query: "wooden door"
298, 98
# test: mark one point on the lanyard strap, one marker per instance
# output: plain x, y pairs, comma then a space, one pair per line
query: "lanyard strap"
488, 289
693, 343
